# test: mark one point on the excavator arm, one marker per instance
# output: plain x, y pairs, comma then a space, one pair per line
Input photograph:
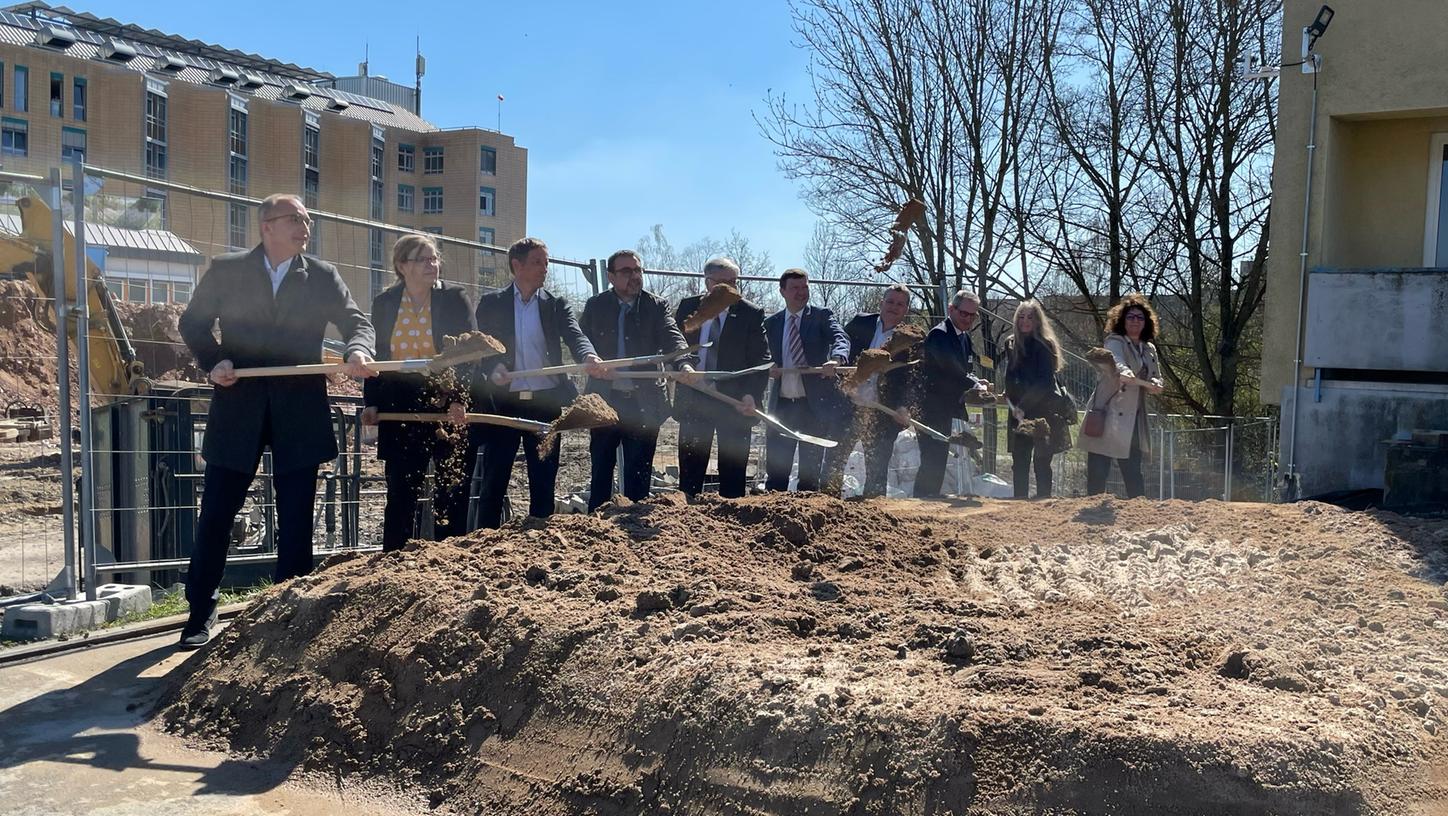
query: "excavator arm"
114, 367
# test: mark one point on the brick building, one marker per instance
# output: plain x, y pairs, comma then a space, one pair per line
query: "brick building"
164, 107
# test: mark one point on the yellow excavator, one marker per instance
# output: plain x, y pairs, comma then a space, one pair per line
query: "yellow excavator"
114, 368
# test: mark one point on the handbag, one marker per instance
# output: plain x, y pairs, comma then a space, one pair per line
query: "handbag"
1095, 422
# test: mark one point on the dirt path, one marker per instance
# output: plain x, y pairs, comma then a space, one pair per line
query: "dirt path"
801, 655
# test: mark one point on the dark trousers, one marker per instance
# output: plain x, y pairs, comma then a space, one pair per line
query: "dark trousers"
779, 450
933, 452
222, 494
696, 437
638, 435
1023, 450
1098, 467
500, 449
406, 469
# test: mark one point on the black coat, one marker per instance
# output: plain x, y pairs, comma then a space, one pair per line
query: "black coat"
1031, 383
892, 387
946, 372
406, 391
259, 329
648, 329
742, 346
495, 316
823, 340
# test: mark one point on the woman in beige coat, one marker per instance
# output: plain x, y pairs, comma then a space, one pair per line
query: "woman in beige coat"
1131, 326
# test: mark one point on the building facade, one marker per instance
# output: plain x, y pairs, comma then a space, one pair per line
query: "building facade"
1372, 279
172, 109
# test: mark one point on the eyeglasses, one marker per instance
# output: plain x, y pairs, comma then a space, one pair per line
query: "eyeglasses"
964, 313
430, 259
296, 218
628, 270
1136, 316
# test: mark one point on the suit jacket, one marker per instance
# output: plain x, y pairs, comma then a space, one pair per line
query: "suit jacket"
404, 391
945, 371
495, 316
648, 329
1031, 384
823, 340
261, 329
741, 346
892, 387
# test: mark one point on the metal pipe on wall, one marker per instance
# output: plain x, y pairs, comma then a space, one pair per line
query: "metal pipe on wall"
62, 362
82, 352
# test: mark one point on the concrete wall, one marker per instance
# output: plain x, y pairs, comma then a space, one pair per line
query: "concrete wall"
1379, 319
1383, 93
1340, 444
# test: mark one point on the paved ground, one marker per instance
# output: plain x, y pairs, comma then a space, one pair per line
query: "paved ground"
74, 740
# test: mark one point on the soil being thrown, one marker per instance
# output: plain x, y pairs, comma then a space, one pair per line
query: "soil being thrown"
587, 411
796, 654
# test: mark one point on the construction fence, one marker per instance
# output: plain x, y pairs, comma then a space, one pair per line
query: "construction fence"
109, 489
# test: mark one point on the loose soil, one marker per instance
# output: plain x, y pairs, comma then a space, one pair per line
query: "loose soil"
585, 412
796, 654
714, 303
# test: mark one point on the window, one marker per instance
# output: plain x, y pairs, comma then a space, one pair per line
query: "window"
57, 94
377, 150
405, 193
431, 200
155, 135
487, 201
406, 158
160, 291
432, 160
72, 144
181, 291
490, 162
136, 290
22, 88
379, 275
2, 83
1435, 230
433, 230
77, 99
311, 164
154, 201
14, 137
237, 232
487, 236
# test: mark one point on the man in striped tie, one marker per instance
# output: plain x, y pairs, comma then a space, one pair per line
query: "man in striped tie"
804, 336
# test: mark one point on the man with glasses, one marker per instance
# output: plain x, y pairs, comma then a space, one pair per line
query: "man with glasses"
271, 307
946, 376
738, 343
627, 321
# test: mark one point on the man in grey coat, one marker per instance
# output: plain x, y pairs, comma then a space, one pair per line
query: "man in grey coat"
270, 306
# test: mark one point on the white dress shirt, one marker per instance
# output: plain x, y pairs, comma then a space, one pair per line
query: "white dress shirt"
276, 273
531, 351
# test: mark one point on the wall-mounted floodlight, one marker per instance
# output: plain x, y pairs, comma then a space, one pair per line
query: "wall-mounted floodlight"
1319, 26
1311, 61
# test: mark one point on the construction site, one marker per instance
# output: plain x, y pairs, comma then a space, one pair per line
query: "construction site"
1223, 644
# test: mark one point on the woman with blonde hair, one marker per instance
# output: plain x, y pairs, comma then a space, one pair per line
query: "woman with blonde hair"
1120, 396
1032, 357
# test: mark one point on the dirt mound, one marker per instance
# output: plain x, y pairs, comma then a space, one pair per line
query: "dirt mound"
802, 655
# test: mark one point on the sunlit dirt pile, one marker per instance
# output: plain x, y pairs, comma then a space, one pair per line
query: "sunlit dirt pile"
802, 655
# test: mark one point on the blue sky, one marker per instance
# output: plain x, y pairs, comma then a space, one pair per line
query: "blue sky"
633, 113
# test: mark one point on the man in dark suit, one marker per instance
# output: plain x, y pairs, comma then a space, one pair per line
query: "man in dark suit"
271, 306
873, 429
946, 376
738, 343
533, 324
626, 321
804, 336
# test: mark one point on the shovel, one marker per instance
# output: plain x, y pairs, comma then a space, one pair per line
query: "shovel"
768, 420
919, 427
707, 375
472, 419
622, 362
844, 369
469, 348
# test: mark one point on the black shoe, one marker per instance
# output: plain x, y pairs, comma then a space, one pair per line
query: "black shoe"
197, 631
